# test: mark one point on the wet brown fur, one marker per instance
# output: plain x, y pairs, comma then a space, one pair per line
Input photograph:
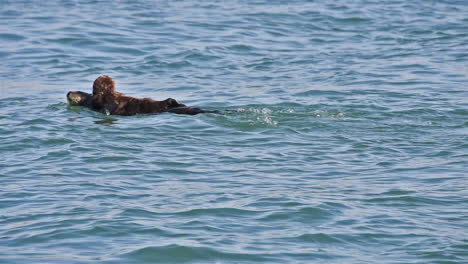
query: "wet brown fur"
108, 101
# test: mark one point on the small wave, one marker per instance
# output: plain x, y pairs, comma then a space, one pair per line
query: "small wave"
353, 20
175, 253
11, 37
241, 47
122, 50
304, 215
218, 212
198, 56
106, 159
36, 121
407, 201
319, 238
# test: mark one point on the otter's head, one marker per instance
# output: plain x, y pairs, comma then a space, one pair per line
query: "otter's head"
79, 98
103, 85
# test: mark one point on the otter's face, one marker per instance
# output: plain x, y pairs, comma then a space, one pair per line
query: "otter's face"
78, 98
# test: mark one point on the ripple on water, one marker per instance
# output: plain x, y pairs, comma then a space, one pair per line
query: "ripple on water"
11, 37
341, 137
175, 253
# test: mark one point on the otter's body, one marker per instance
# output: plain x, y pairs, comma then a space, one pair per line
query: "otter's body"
107, 101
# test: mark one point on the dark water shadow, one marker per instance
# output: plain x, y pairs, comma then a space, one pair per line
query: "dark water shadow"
106, 121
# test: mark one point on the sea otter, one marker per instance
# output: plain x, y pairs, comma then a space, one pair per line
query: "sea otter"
108, 101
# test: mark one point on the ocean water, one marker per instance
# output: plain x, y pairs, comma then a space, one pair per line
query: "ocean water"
348, 142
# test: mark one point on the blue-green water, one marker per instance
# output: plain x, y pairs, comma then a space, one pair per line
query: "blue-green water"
349, 144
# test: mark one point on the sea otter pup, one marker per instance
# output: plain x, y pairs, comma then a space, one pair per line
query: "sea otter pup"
106, 100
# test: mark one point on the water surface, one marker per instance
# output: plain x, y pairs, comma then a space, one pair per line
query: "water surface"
348, 143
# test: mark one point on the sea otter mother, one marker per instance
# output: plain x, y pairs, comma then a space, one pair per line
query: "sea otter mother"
108, 101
